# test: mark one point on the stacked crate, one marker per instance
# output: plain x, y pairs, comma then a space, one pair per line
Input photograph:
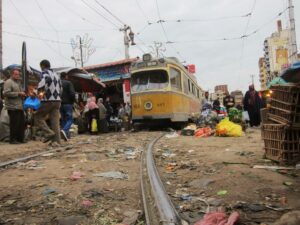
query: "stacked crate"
282, 136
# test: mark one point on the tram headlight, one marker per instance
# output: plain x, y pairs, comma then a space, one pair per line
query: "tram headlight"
148, 105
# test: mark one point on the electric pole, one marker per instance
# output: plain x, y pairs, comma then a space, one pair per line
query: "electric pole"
82, 49
128, 38
1, 46
293, 48
80, 45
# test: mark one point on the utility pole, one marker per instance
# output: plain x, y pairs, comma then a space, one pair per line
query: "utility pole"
293, 48
128, 38
82, 49
1, 46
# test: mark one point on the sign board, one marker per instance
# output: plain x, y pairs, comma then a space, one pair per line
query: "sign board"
192, 68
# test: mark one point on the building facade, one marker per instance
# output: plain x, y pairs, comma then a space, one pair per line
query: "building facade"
276, 54
262, 73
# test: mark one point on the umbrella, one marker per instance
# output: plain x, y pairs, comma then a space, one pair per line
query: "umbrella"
276, 80
292, 74
81, 79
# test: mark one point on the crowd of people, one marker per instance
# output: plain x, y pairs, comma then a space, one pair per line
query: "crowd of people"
252, 104
59, 108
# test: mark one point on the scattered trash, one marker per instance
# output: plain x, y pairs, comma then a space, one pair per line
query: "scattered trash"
47, 154
9, 202
272, 168
113, 175
228, 129
86, 203
245, 153
254, 207
235, 163
131, 217
76, 175
222, 192
287, 183
290, 218
201, 183
131, 153
172, 135
92, 193
204, 132
48, 191
71, 220
219, 218
189, 130
168, 154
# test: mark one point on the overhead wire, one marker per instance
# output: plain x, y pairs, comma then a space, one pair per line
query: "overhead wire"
77, 14
32, 28
50, 23
164, 30
97, 12
107, 10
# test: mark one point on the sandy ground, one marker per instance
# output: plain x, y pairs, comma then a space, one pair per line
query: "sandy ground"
194, 170
41, 192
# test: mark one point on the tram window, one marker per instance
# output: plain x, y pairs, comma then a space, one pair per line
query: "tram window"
149, 80
189, 83
193, 89
198, 96
186, 85
175, 78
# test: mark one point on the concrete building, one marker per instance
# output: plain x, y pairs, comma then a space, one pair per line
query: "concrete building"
276, 57
223, 88
262, 73
238, 97
219, 94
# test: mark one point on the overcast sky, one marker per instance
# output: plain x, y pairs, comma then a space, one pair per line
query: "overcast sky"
197, 36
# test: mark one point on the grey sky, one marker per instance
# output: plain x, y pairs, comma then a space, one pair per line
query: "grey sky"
217, 62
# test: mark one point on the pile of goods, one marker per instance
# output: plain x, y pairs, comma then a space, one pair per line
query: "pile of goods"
281, 131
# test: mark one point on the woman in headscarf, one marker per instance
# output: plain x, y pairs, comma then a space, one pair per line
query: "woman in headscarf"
252, 104
92, 112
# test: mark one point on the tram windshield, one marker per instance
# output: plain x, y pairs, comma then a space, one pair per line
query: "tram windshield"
149, 80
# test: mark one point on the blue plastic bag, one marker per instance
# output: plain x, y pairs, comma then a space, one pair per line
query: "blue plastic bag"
32, 103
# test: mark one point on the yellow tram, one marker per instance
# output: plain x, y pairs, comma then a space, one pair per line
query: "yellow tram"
162, 89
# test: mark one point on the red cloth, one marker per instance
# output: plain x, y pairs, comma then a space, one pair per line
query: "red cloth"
218, 218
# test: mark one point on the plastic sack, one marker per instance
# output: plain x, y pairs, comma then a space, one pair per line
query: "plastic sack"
203, 132
228, 129
32, 103
94, 126
246, 116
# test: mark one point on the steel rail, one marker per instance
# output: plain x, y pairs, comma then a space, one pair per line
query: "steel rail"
157, 204
21, 159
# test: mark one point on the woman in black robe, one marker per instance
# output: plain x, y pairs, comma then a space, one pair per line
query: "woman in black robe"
252, 104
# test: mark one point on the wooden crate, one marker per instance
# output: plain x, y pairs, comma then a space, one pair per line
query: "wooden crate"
285, 117
282, 144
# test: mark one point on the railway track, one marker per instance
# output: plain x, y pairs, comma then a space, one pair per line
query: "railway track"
158, 206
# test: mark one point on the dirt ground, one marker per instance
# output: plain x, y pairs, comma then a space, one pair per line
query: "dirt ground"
41, 191
219, 171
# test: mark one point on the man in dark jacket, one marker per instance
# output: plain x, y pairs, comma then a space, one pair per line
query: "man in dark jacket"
66, 109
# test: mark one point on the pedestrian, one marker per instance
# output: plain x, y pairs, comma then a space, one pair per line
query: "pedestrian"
92, 114
14, 96
66, 108
217, 105
252, 104
102, 116
121, 112
109, 109
228, 102
50, 90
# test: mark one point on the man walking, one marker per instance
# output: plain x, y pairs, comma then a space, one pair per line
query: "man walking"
66, 109
13, 95
50, 89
